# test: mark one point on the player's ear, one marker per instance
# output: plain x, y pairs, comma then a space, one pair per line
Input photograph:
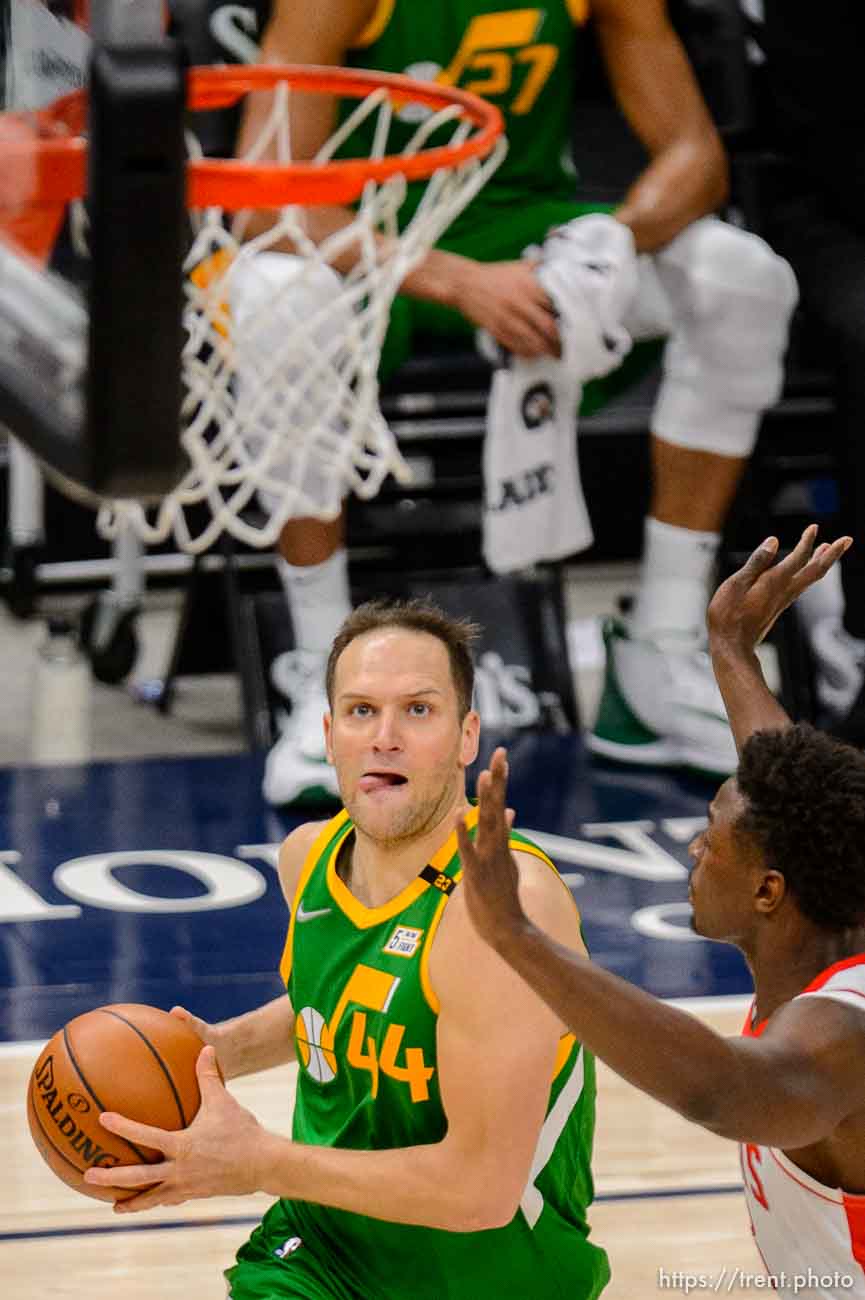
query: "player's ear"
770, 892
471, 736
328, 736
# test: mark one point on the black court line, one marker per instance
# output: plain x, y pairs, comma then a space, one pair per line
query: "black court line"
241, 1221
664, 1193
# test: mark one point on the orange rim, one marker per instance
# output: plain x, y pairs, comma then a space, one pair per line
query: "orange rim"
49, 151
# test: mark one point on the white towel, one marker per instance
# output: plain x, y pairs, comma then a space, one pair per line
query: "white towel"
589, 269
534, 508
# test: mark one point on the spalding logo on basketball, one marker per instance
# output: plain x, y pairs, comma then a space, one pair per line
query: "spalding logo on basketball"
136, 1060
315, 1045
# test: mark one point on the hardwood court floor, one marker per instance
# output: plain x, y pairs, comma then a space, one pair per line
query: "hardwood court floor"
668, 1200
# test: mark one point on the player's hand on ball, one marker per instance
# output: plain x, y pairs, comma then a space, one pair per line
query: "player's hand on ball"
209, 1034
746, 606
490, 875
214, 1156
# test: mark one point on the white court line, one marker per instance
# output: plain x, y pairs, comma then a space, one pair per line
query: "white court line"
729, 1002
732, 1002
19, 1050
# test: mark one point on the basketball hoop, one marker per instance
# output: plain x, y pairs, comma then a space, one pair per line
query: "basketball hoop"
281, 356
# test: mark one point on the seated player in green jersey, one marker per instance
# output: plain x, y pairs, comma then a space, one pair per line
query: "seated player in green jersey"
720, 296
443, 1122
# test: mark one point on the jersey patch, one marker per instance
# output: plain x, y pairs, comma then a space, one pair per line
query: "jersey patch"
437, 879
404, 942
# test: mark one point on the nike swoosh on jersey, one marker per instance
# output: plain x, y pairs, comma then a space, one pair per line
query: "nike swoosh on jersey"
310, 916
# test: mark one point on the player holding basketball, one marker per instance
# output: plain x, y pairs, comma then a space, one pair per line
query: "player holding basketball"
719, 294
443, 1123
779, 872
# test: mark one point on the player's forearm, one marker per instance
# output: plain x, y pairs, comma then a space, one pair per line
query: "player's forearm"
320, 225
661, 1050
439, 278
750, 704
431, 1186
257, 1040
680, 185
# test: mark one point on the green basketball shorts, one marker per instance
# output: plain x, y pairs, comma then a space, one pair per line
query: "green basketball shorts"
279, 1264
490, 233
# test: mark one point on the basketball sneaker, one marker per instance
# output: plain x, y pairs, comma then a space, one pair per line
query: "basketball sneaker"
296, 770
661, 705
839, 660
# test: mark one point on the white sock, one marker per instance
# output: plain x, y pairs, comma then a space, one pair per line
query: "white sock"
318, 598
674, 580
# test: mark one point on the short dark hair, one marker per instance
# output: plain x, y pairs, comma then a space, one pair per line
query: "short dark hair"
805, 808
458, 635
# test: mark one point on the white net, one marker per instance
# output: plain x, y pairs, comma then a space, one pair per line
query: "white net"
281, 418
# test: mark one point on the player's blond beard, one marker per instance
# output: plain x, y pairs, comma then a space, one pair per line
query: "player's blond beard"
419, 818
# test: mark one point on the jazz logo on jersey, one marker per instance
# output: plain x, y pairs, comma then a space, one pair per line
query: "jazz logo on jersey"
404, 942
372, 990
499, 55
315, 1045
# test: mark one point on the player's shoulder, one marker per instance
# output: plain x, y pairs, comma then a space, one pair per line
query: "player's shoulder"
344, 19
457, 947
545, 897
543, 892
293, 853
536, 871
829, 1013
846, 981
842, 984
649, 11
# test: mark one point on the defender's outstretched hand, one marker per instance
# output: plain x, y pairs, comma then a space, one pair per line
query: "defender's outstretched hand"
746, 606
743, 610
490, 875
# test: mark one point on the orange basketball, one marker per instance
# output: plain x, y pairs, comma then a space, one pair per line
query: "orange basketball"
134, 1060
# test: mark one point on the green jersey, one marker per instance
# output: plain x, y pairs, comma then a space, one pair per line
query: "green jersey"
366, 1017
521, 59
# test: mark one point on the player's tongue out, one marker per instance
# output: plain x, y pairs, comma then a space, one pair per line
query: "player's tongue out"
372, 782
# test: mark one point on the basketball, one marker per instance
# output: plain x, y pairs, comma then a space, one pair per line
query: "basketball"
134, 1060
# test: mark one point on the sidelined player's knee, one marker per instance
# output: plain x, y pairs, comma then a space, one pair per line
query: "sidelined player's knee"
731, 298
712, 267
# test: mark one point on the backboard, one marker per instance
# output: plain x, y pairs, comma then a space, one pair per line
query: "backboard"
90, 379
